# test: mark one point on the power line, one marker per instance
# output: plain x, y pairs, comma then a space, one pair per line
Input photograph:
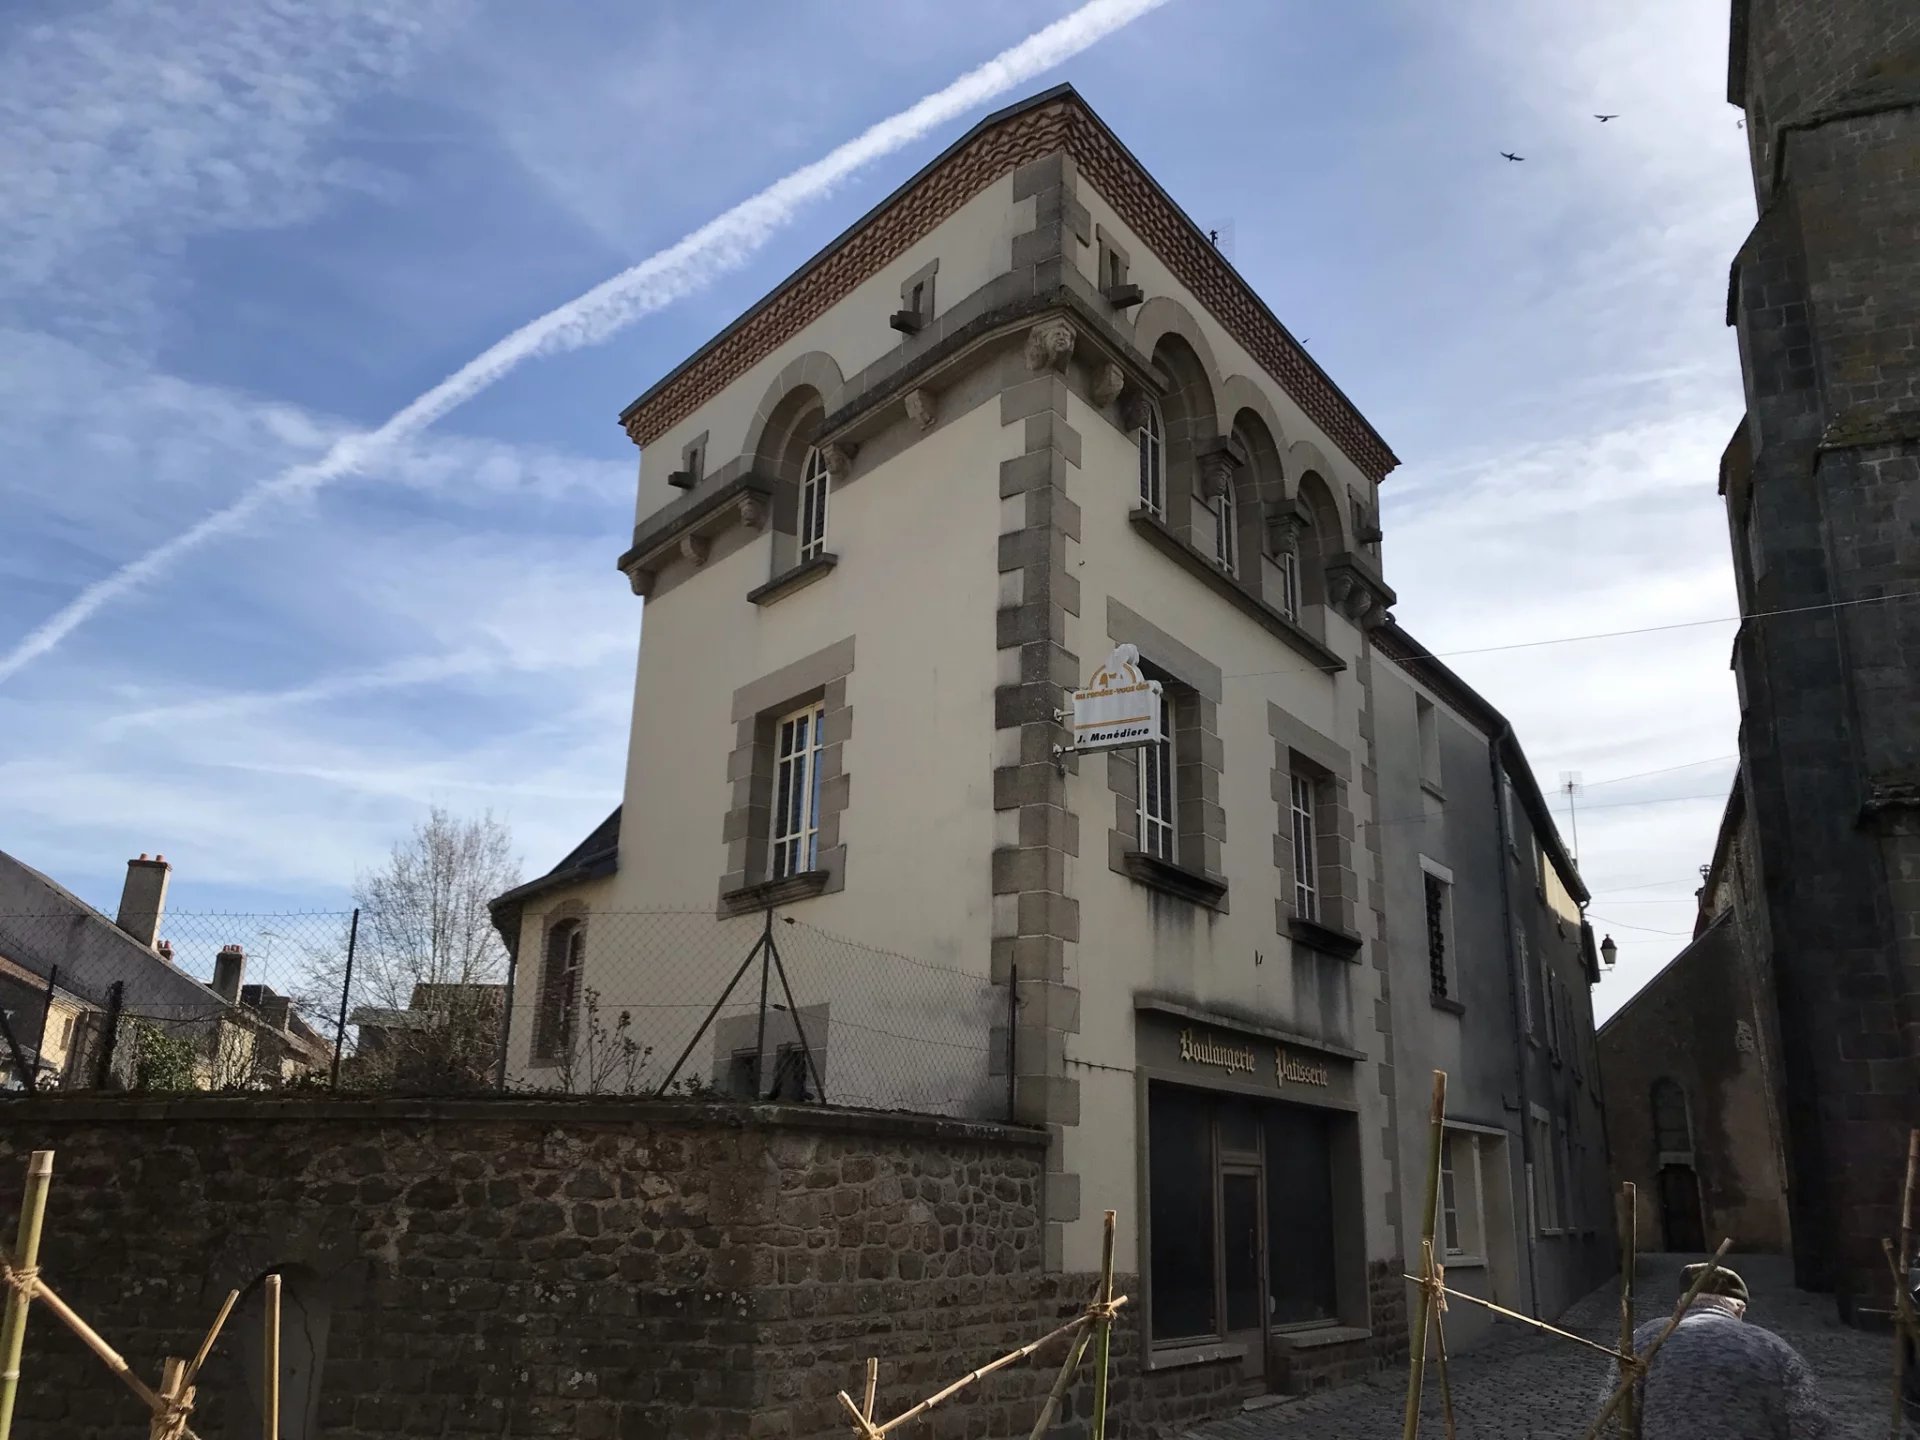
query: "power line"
1623, 925
1602, 634
1668, 770
1614, 805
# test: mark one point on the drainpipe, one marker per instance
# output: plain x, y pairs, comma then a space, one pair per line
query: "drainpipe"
1505, 854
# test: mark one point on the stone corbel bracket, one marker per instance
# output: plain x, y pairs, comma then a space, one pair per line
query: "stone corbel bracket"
923, 407
1355, 589
1287, 521
686, 530
1050, 344
1219, 460
838, 457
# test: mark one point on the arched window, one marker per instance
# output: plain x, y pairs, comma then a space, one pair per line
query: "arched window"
1153, 463
1672, 1125
814, 484
561, 970
1226, 530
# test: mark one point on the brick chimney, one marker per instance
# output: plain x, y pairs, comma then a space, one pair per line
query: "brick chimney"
229, 969
144, 899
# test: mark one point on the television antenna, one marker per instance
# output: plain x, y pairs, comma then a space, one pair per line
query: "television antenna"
1572, 788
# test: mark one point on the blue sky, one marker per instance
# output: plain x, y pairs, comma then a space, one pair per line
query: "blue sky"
232, 235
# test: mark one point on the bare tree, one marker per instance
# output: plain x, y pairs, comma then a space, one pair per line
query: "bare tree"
423, 919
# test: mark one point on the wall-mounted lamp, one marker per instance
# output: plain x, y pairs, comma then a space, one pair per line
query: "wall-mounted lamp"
1608, 950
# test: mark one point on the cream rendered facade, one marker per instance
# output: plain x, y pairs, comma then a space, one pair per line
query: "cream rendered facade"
985, 548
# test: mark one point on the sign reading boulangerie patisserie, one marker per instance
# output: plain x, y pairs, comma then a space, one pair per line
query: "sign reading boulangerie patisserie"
1177, 1041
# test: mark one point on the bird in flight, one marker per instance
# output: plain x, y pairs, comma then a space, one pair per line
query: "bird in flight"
1604, 118
1508, 154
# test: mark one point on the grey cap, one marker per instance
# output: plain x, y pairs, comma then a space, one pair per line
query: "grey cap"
1722, 1282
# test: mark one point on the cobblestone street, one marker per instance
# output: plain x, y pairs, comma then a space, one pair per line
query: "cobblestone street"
1521, 1385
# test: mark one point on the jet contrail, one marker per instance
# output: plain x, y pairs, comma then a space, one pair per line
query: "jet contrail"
721, 245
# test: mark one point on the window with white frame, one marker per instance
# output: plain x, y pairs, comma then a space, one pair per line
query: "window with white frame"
1306, 850
1461, 1204
559, 999
1153, 463
1226, 530
815, 482
1289, 562
1546, 1189
1159, 832
796, 791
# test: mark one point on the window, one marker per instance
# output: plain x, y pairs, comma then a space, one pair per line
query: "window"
1546, 1190
1158, 828
1306, 850
1562, 1178
1460, 1195
1672, 1125
814, 484
66, 1032
1427, 718
1439, 906
1180, 1211
917, 300
565, 962
1289, 563
796, 791
693, 461
1551, 1000
1153, 464
1526, 986
1116, 272
1226, 530
1506, 806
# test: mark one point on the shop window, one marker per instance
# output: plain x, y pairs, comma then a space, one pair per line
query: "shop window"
1180, 1201
1300, 1268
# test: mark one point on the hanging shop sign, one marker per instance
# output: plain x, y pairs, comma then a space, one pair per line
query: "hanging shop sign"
1120, 708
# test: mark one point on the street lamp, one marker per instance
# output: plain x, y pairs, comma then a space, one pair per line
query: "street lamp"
1608, 950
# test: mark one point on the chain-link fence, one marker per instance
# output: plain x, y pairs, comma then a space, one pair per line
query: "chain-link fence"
655, 1002
684, 1002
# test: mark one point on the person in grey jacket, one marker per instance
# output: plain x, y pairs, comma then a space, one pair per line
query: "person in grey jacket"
1720, 1378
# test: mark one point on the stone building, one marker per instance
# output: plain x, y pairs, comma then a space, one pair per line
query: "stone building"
1690, 1068
1023, 425
1821, 484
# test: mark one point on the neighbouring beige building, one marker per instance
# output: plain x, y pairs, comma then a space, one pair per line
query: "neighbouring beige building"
1023, 414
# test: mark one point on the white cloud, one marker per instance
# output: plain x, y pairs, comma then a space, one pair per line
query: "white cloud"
130, 128
721, 245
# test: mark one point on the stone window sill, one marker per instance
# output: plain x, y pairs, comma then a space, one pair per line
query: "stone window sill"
1155, 530
797, 578
1432, 787
1320, 1336
1328, 939
768, 893
1175, 1357
1448, 1004
1188, 884
1465, 1262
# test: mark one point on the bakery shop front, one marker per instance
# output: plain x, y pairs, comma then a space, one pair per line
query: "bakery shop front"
1250, 1176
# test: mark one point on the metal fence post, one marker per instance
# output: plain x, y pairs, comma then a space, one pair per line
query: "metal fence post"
346, 988
1013, 1040
46, 1019
760, 1032
116, 995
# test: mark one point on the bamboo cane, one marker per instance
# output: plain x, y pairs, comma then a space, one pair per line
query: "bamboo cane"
873, 1384
89, 1337
1453, 1294
13, 1330
1440, 1339
1103, 1337
270, 1411
862, 1425
1902, 1306
213, 1334
1417, 1357
907, 1416
1646, 1360
1061, 1383
1628, 1213
167, 1420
